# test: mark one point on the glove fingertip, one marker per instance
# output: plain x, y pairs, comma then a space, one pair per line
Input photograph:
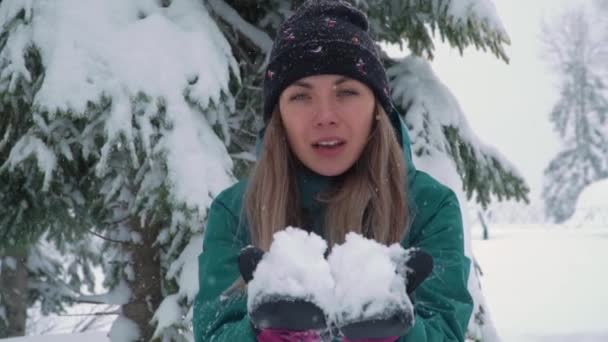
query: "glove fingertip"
249, 258
420, 266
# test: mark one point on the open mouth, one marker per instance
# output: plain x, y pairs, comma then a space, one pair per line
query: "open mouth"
328, 144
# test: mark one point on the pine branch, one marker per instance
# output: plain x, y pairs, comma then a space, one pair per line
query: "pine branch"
108, 239
105, 313
251, 32
118, 221
87, 323
4, 140
88, 301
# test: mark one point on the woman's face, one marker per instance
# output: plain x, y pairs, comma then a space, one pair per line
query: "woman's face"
328, 119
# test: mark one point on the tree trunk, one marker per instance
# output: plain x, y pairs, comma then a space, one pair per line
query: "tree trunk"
146, 286
483, 223
13, 289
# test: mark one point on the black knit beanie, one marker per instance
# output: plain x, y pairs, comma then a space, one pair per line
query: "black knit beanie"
324, 37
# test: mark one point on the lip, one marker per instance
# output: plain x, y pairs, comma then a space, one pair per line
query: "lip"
329, 152
316, 142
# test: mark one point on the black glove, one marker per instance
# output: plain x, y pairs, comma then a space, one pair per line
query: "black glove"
285, 313
419, 266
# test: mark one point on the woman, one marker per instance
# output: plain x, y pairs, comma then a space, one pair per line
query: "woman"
334, 157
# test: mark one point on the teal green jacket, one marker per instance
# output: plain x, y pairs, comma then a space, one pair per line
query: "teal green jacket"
442, 303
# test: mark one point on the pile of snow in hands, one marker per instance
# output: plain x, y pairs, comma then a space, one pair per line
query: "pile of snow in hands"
361, 278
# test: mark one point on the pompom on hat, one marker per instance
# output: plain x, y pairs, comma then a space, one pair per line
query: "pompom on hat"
324, 37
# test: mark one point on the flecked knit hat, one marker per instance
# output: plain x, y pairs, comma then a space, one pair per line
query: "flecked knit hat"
324, 37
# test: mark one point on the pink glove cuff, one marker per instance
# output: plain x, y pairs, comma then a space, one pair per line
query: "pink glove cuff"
385, 339
277, 335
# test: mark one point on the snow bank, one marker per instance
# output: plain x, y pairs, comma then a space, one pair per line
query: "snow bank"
124, 330
88, 336
546, 283
591, 207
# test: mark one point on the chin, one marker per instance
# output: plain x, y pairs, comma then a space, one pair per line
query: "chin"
329, 171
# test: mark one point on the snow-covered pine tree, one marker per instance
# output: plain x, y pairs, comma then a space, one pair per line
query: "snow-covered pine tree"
13, 301
576, 47
50, 277
25, 216
29, 273
112, 112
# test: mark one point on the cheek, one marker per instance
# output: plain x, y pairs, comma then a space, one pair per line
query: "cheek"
294, 131
364, 129
363, 121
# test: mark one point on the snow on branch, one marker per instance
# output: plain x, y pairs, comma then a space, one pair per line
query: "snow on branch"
184, 269
10, 9
167, 314
118, 296
461, 23
7, 134
151, 80
438, 125
231, 16
28, 146
463, 11
429, 103
472, 22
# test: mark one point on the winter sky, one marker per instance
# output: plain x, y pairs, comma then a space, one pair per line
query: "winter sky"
508, 105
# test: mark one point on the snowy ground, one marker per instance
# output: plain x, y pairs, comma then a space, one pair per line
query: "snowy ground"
88, 337
543, 284
546, 283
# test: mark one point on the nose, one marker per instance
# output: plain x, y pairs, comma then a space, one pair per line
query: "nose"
325, 114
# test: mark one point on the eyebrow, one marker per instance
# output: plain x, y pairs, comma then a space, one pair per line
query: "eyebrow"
309, 86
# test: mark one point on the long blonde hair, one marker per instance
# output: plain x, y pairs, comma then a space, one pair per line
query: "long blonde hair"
369, 199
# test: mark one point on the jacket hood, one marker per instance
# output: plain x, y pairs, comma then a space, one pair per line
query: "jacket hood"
404, 137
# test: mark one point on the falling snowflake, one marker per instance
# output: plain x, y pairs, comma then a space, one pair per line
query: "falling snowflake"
317, 49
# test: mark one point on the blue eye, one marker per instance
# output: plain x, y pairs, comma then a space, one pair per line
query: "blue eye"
347, 92
298, 97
